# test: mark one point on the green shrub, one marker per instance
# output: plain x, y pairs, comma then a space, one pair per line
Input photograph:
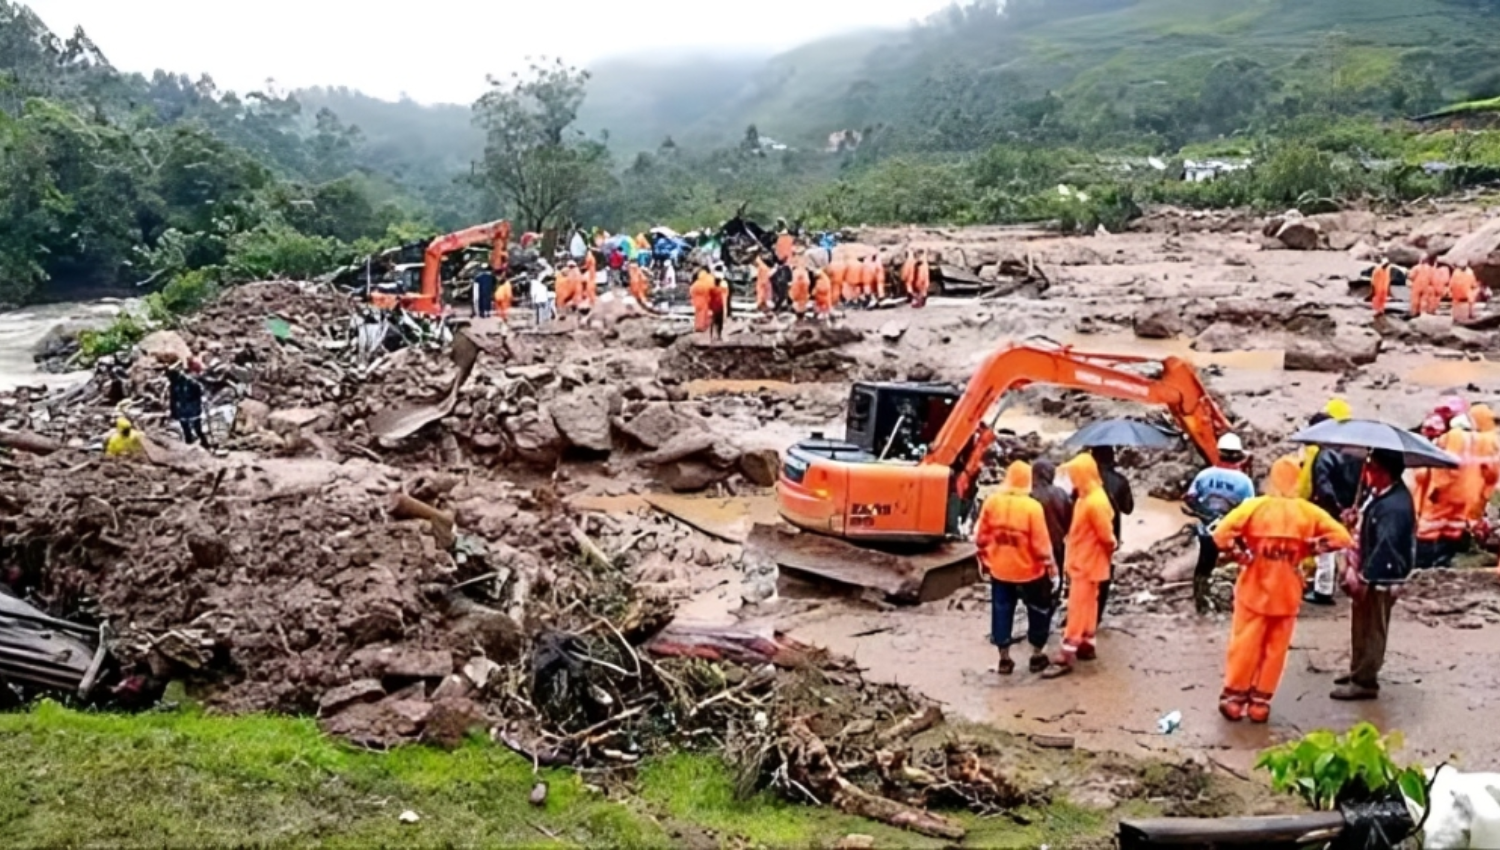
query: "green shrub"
1326, 770
276, 250
126, 330
185, 293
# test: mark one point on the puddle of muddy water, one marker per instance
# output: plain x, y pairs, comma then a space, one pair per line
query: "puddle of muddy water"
1154, 520
1455, 373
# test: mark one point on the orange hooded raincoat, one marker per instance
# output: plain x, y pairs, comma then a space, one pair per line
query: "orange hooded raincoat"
1419, 281
640, 286
701, 293
823, 292
800, 290
1380, 285
1091, 545
1446, 497
762, 285
1278, 531
1012, 538
505, 296
1487, 451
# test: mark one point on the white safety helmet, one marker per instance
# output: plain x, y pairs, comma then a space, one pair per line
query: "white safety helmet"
1231, 444
1461, 422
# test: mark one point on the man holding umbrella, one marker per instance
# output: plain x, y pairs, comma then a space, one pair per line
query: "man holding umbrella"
1386, 536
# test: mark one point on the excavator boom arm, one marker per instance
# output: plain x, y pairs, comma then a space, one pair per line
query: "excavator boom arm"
966, 436
497, 232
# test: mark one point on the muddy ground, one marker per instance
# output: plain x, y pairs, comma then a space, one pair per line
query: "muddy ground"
608, 471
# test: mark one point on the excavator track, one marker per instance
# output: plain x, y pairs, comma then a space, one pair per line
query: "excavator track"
902, 579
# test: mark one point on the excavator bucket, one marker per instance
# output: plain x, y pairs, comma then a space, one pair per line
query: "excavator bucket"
902, 579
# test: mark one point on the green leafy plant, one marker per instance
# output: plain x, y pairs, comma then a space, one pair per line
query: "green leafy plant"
126, 330
1327, 770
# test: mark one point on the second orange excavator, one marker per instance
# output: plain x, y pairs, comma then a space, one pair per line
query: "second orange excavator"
906, 476
429, 299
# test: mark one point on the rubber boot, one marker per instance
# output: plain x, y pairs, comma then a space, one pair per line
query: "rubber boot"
1232, 705
1259, 709
1201, 588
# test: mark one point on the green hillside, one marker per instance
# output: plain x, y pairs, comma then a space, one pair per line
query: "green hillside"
1161, 73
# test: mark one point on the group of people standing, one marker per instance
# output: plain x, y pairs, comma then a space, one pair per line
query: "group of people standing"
1317, 508
862, 282
1431, 283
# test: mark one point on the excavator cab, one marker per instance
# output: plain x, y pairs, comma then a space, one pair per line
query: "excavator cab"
890, 428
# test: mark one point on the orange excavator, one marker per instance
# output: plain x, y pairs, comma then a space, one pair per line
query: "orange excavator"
906, 476
429, 299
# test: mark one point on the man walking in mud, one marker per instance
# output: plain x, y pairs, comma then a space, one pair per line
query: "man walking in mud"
185, 401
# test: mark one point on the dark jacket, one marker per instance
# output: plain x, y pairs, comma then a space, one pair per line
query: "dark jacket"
1388, 537
1057, 507
1335, 481
184, 395
1117, 488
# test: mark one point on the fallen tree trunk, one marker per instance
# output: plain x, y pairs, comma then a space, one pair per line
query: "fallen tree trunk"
24, 441
403, 506
914, 725
810, 765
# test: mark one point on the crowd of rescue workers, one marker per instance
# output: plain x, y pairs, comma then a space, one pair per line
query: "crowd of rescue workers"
1047, 538
1359, 521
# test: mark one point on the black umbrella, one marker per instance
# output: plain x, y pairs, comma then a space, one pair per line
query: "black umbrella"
1120, 432
1366, 435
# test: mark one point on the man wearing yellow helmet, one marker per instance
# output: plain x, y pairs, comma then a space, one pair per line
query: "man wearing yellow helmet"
124, 440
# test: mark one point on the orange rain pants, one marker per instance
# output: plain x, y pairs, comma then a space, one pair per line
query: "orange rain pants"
701, 293
823, 295
800, 291
762, 285
1091, 546
1380, 285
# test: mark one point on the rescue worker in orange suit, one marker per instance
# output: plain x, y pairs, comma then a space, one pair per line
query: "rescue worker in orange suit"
785, 244
1380, 287
1270, 536
838, 273
800, 290
875, 281
1418, 281
1437, 290
823, 293
909, 272
588, 294
505, 296
640, 283
1091, 547
1465, 290
569, 284
718, 305
1015, 554
1445, 497
701, 293
921, 280
762, 285
1487, 451
854, 279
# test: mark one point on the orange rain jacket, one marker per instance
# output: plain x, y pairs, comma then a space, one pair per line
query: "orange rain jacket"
1464, 287
1012, 536
801, 289
785, 246
923, 280
762, 284
1419, 282
875, 282
1091, 540
909, 273
1380, 284
838, 275
569, 288
1487, 452
640, 286
1280, 530
504, 297
701, 293
823, 292
1445, 497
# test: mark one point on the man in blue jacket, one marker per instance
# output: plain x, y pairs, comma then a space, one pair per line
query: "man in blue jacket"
1214, 493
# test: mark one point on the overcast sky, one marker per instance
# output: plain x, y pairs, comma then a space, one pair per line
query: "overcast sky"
436, 50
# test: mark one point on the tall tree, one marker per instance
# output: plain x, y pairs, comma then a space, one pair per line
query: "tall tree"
535, 162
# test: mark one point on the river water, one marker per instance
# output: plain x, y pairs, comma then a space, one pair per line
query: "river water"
21, 330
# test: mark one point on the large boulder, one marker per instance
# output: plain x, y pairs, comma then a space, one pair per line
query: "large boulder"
1481, 250
1158, 323
691, 476
657, 425
1402, 254
165, 347
1349, 347
582, 417
536, 438
1300, 234
1222, 336
761, 467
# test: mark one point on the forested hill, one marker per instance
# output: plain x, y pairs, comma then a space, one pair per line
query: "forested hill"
1162, 72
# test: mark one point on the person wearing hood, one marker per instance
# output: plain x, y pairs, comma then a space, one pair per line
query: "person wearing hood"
921, 280
873, 282
1387, 551
1380, 287
1057, 506
1464, 289
701, 293
569, 287
800, 290
762, 285
588, 294
505, 298
909, 272
1015, 553
1445, 497
1121, 501
1329, 479
1214, 493
1487, 452
823, 292
185, 397
1091, 548
1418, 281
1271, 536
1437, 290
838, 272
640, 284
785, 244
124, 441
